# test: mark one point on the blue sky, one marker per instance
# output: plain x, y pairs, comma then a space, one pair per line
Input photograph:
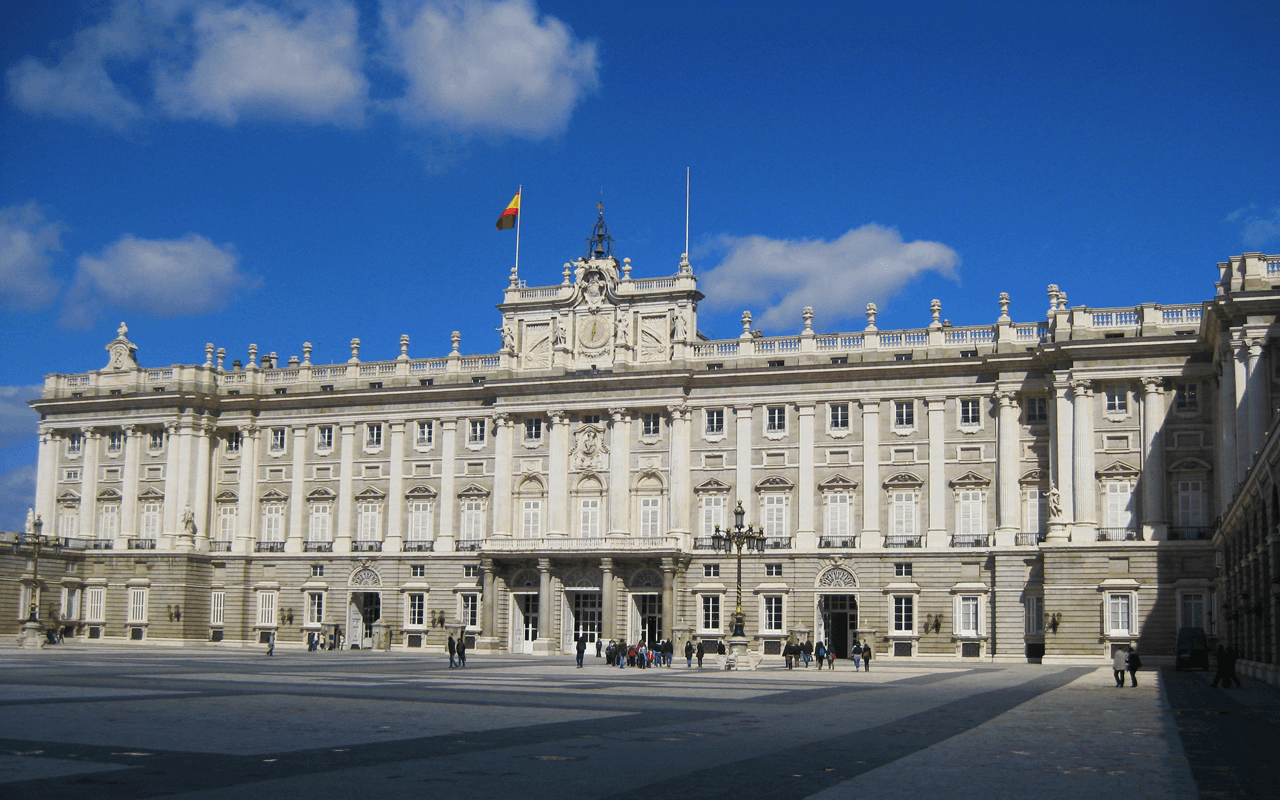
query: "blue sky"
275, 173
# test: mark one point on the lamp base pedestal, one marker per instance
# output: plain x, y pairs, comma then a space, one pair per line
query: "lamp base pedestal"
739, 656
32, 635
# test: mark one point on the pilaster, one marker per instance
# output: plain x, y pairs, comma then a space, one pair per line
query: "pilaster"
89, 483
1085, 480
297, 489
742, 417
502, 470
608, 599
344, 511
129, 487
558, 474
871, 492
448, 492
1155, 526
805, 533
395, 488
937, 530
1008, 499
681, 478
619, 461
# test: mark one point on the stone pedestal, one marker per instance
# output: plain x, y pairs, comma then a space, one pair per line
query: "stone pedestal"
381, 636
544, 646
739, 655
32, 635
488, 644
1058, 533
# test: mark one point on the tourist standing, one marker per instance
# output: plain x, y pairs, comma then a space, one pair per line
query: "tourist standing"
582, 648
831, 656
806, 652
599, 645
856, 653
866, 656
1119, 660
688, 653
462, 651
453, 650
1134, 664
700, 652
271, 643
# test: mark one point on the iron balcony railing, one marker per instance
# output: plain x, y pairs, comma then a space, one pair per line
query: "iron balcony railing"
969, 540
838, 542
468, 545
142, 544
902, 540
102, 544
418, 547
219, 547
777, 543
1117, 535
1023, 539
317, 547
269, 547
366, 547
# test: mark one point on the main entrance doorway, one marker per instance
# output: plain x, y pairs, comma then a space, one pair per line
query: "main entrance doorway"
524, 622
586, 609
648, 611
839, 615
364, 609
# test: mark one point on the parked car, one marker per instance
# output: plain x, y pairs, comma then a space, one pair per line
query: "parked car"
1192, 649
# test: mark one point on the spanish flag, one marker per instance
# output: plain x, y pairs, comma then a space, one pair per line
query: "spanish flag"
508, 219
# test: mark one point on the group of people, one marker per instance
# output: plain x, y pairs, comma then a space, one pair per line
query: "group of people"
640, 655
457, 649
1126, 659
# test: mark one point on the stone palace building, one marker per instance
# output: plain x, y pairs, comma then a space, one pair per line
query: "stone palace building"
1041, 489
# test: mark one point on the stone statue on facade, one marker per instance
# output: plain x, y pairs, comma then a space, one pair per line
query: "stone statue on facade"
31, 521
1055, 503
557, 332
508, 338
680, 331
588, 453
188, 520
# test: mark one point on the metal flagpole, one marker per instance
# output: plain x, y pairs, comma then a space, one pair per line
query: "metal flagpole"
519, 213
686, 213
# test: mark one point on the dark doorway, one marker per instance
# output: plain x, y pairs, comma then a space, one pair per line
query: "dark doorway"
367, 607
839, 621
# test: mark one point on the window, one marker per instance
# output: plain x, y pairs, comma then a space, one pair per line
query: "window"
266, 608
778, 363
470, 571
711, 612
773, 570
776, 419
839, 416
589, 516
282, 390
71, 475
904, 613
426, 433
967, 619
217, 607
1191, 608
324, 437
903, 513
531, 519
712, 514
1186, 397
272, 522
533, 429
1037, 410
416, 609
1117, 400
137, 605
234, 440
108, 520
69, 523
1120, 614
650, 516
773, 613
470, 610
317, 570
904, 414
839, 514
839, 359
969, 516
775, 516
75, 443
590, 419
477, 431
715, 421
370, 516
1033, 614
319, 527
970, 412
115, 441
156, 440
95, 606
651, 424
375, 384
1118, 504
150, 521
418, 570
902, 569
419, 520
315, 608
715, 367
1190, 511
711, 570
373, 435
473, 520
902, 356
1035, 512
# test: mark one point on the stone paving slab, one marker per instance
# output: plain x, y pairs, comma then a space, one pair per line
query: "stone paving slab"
17, 692
26, 768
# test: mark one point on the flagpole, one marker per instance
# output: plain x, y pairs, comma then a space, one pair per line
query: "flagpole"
520, 193
686, 213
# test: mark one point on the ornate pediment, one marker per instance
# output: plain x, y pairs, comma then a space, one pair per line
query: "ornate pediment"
712, 485
838, 483
123, 352
903, 480
321, 493
1190, 465
970, 480
838, 578
108, 495
273, 495
474, 490
69, 497
151, 493
370, 493
1034, 477
774, 483
1118, 469
420, 493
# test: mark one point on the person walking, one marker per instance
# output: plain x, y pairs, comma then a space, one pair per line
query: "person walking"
819, 654
856, 653
788, 650
808, 652
866, 656
700, 652
1134, 665
1119, 661
582, 648
688, 653
271, 643
831, 656
462, 651
599, 646
669, 650
452, 647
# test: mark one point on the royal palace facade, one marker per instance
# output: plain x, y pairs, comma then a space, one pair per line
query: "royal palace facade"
1043, 489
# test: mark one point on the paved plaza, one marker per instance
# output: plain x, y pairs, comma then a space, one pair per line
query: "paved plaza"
89, 722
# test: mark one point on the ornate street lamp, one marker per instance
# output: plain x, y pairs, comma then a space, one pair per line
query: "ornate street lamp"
738, 537
37, 543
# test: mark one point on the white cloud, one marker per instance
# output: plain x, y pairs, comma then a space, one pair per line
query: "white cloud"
837, 278
18, 421
477, 65
165, 277
301, 63
1255, 229
27, 242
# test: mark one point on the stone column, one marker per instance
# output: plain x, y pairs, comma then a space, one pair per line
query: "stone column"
1227, 464
1062, 448
448, 473
871, 492
619, 472
1155, 526
608, 599
129, 488
172, 480
743, 491
502, 477
246, 512
182, 496
1245, 445
89, 484
297, 489
344, 505
47, 477
1008, 498
668, 596
681, 516
395, 488
806, 538
203, 481
558, 474
544, 602
937, 530
1259, 402
1086, 494
488, 601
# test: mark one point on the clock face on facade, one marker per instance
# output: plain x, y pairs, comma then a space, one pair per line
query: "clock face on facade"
594, 331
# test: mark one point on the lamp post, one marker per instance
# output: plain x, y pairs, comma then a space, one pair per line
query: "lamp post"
738, 537
37, 543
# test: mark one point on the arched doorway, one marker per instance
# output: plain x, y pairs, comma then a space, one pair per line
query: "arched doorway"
837, 612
